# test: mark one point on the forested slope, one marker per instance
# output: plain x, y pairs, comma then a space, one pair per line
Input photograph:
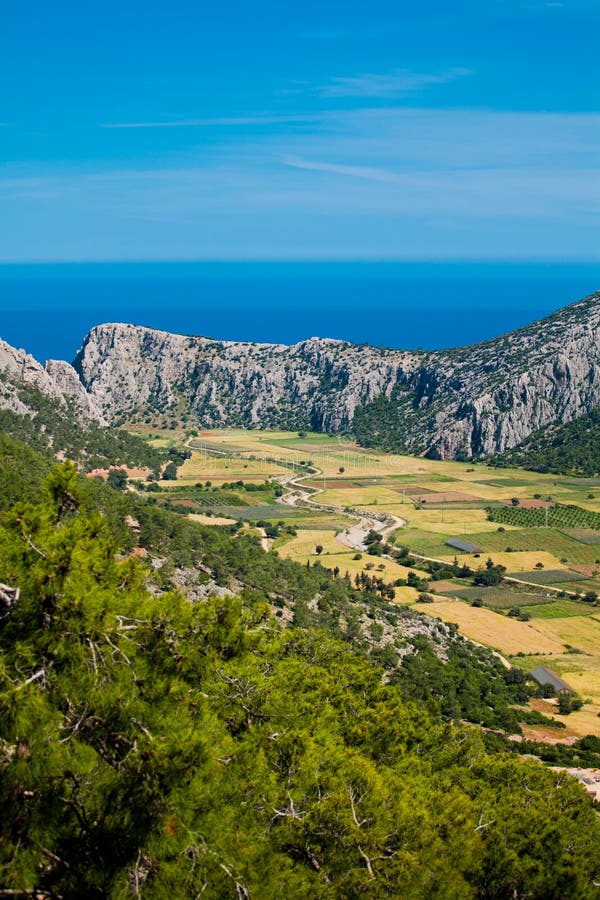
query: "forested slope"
152, 746
56, 427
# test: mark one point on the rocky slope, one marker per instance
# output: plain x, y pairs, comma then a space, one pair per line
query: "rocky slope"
57, 380
472, 401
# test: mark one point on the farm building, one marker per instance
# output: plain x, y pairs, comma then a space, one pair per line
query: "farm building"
545, 676
463, 546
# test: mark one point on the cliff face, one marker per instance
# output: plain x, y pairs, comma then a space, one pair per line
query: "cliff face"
472, 401
128, 369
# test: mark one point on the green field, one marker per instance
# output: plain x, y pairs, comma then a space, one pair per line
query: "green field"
551, 576
567, 516
563, 545
560, 609
497, 597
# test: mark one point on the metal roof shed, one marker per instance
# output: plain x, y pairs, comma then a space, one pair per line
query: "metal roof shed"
546, 676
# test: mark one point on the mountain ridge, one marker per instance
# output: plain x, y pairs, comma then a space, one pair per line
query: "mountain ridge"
471, 401
475, 401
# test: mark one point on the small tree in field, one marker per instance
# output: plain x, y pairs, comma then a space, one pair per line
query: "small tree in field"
170, 472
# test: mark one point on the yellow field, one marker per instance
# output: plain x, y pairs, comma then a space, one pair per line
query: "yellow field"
210, 520
582, 632
455, 529
519, 561
302, 548
585, 682
364, 497
580, 670
583, 722
213, 468
509, 636
344, 561
423, 518
304, 544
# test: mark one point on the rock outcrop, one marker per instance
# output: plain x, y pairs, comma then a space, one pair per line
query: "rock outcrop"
57, 380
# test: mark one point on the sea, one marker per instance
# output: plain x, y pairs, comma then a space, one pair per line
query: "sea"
47, 309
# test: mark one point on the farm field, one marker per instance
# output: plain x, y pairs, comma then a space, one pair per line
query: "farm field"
496, 597
522, 561
436, 500
580, 670
217, 469
561, 545
303, 548
509, 636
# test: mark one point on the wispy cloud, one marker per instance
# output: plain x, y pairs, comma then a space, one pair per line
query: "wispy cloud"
370, 173
368, 182
391, 84
226, 121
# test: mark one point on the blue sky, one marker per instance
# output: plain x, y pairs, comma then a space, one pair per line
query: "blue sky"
330, 130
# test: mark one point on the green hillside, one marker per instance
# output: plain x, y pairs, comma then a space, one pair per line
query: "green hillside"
53, 427
159, 747
226, 722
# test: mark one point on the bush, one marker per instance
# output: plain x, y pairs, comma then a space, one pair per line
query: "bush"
117, 479
568, 703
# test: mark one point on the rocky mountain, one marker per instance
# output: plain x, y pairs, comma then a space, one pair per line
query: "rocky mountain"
472, 401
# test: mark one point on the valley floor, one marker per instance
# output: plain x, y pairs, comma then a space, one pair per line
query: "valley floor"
314, 498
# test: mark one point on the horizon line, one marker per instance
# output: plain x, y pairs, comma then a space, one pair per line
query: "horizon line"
311, 260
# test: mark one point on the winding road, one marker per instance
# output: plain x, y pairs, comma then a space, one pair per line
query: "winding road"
298, 494
354, 537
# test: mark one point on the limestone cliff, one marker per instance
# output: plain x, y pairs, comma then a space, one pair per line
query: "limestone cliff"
472, 401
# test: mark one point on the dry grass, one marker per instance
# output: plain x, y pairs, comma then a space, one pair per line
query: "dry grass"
455, 529
438, 519
585, 681
520, 561
345, 563
219, 469
210, 520
509, 636
581, 632
363, 497
303, 546
583, 722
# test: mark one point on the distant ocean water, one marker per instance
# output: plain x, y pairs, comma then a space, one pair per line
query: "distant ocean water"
47, 309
